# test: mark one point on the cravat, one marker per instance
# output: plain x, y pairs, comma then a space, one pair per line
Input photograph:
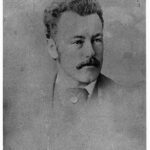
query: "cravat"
77, 94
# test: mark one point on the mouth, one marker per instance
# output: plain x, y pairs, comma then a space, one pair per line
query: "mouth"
88, 65
89, 68
92, 62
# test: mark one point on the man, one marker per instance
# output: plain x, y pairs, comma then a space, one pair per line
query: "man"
75, 40
89, 110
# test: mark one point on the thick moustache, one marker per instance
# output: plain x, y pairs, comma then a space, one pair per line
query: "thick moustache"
91, 62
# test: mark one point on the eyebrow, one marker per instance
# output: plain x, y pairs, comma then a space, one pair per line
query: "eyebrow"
79, 37
97, 35
82, 37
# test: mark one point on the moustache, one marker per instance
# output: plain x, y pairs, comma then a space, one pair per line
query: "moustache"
90, 62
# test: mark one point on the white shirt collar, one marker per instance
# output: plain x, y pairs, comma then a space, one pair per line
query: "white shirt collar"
89, 87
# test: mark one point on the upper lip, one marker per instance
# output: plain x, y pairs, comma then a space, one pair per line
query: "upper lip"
90, 62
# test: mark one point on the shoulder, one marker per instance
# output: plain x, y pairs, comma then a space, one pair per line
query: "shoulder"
127, 106
130, 101
135, 94
107, 85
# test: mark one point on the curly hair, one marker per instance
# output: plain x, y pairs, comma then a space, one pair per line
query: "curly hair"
82, 7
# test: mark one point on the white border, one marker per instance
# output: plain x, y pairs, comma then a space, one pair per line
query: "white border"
1, 75
148, 69
147, 74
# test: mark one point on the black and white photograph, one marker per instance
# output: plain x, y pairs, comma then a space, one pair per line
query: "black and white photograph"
74, 74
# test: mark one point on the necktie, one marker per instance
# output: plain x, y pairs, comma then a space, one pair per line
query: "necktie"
77, 95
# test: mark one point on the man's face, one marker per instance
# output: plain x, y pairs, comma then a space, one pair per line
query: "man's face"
79, 42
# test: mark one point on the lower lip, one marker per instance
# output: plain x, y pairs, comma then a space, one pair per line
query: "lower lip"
89, 67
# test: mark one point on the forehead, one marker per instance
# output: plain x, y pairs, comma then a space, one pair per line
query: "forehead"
71, 24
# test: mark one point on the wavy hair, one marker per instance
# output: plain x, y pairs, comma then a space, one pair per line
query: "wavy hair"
53, 13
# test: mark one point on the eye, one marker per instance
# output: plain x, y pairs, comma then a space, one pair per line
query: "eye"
98, 40
79, 42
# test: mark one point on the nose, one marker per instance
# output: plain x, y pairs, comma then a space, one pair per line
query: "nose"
89, 49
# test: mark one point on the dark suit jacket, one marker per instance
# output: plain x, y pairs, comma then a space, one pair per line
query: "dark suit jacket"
118, 114
116, 122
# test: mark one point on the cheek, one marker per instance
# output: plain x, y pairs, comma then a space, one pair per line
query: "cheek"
70, 60
99, 50
70, 56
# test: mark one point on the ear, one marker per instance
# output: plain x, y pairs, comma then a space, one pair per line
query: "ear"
52, 49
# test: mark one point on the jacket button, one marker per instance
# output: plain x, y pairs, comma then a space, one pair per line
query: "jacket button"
74, 100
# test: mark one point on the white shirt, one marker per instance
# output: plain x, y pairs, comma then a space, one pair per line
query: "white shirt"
89, 88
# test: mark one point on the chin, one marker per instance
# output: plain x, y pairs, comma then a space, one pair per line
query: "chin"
88, 78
